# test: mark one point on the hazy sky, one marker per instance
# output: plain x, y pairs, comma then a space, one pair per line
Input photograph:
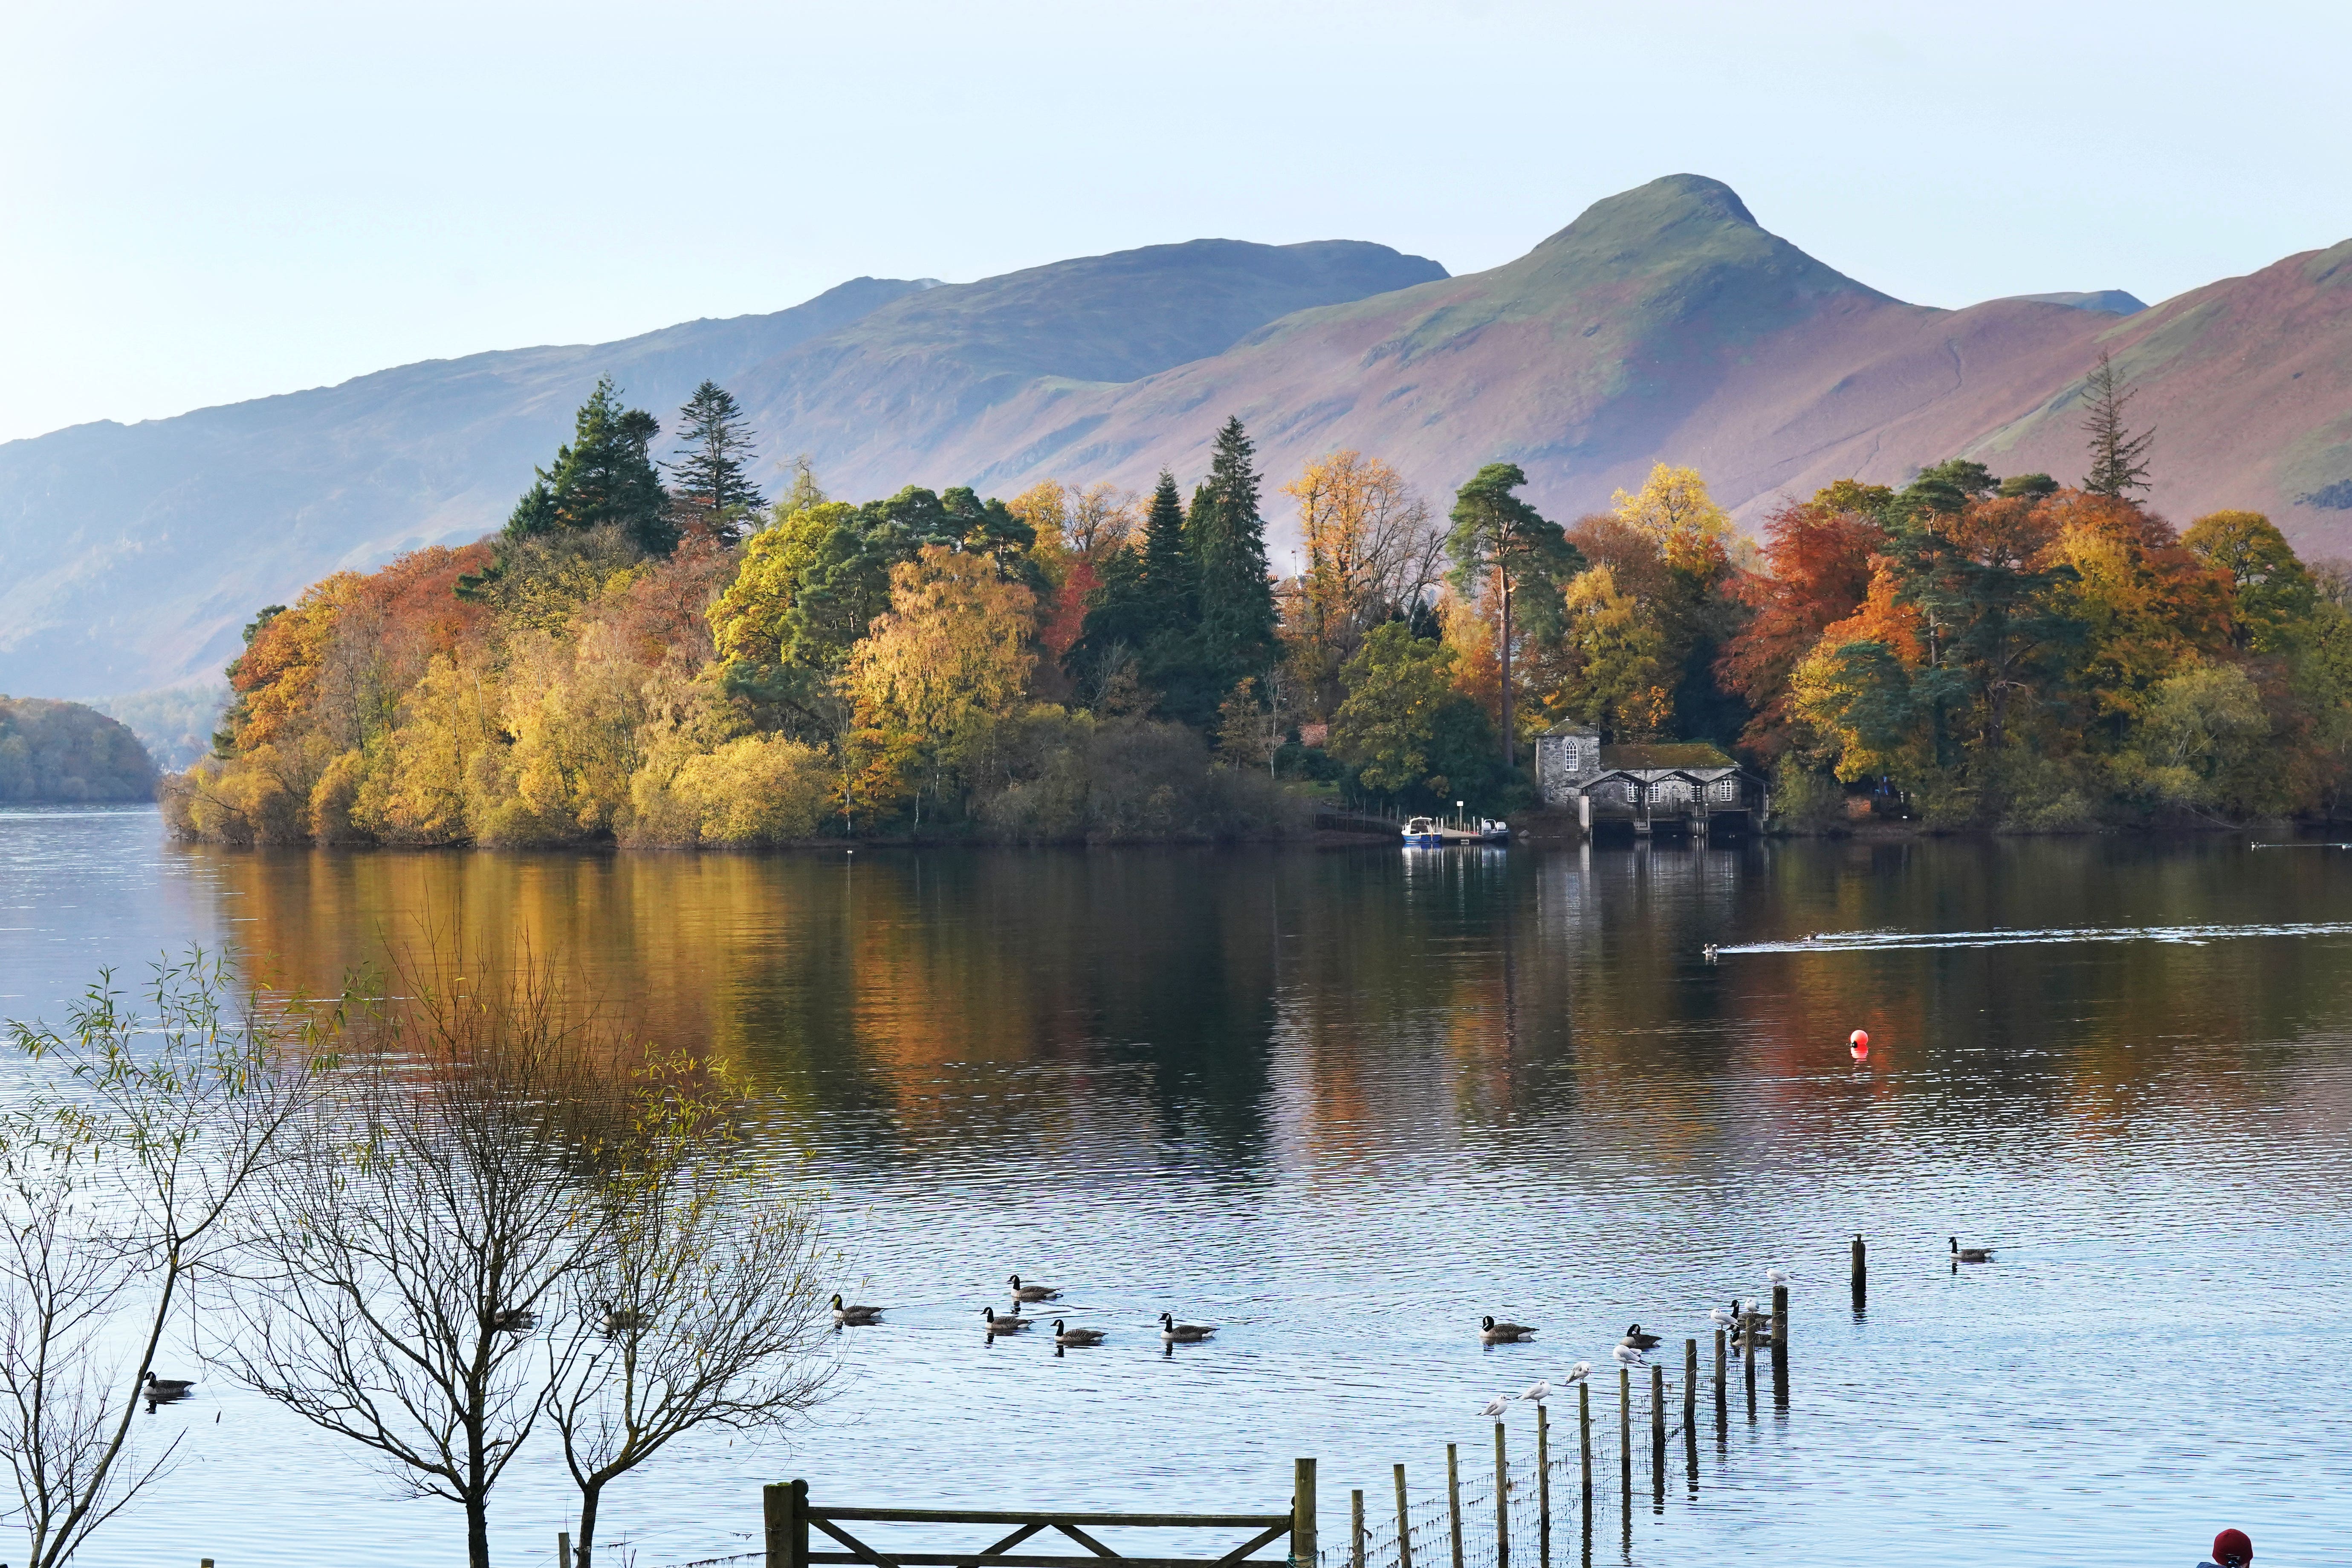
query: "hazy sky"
205, 203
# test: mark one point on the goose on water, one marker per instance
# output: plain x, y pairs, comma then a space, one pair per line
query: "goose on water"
515, 1319
845, 1313
1626, 1355
1971, 1254
1032, 1292
167, 1387
1006, 1324
1068, 1336
1495, 1333
620, 1319
1638, 1339
1176, 1333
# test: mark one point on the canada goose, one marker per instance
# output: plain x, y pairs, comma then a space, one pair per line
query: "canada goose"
1064, 1336
620, 1319
1006, 1324
1971, 1254
514, 1319
843, 1313
1577, 1374
1493, 1333
1626, 1355
1496, 1406
1638, 1339
1176, 1333
167, 1387
1033, 1293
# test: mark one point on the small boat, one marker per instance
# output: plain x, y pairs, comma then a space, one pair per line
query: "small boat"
1440, 833
1491, 831
1424, 833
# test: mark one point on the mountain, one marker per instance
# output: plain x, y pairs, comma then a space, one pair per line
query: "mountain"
1665, 324
135, 552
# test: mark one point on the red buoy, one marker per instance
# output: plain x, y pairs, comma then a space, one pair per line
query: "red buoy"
1860, 1041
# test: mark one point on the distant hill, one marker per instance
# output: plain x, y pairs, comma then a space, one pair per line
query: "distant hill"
1663, 323
135, 552
65, 753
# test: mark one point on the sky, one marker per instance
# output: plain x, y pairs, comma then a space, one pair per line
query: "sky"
203, 203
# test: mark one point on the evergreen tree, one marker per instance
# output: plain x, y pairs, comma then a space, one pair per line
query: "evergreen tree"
713, 487
1228, 539
604, 476
2118, 467
1167, 560
1495, 532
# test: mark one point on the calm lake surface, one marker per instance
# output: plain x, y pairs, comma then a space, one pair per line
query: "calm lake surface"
1343, 1102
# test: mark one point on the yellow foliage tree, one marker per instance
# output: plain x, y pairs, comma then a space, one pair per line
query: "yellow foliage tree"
947, 659
1613, 660
1371, 549
1673, 508
746, 620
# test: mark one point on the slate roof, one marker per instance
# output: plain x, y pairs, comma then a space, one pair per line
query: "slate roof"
1674, 755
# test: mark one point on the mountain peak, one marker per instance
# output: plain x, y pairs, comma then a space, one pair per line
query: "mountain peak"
1671, 207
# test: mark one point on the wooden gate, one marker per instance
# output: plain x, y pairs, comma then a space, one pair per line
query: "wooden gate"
791, 1517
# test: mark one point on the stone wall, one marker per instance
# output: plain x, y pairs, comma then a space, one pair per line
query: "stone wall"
1564, 759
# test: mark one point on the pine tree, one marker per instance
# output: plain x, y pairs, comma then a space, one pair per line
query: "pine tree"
716, 449
1228, 539
604, 475
2116, 469
1167, 575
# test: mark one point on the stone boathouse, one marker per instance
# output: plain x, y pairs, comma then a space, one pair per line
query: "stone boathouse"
1673, 786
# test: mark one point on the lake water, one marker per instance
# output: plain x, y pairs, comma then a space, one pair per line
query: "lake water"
1342, 1102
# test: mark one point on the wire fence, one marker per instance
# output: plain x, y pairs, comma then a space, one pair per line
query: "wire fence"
1595, 1452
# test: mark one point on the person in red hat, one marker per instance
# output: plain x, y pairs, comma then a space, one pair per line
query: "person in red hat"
2231, 1550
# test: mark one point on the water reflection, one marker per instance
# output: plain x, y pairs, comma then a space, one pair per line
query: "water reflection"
1342, 1103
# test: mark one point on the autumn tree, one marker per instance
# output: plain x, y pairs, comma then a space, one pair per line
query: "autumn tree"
1499, 542
1372, 553
1145, 616
1673, 508
711, 469
948, 659
2272, 591
2118, 454
1817, 556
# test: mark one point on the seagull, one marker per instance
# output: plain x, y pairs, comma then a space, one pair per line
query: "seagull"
1496, 1406
1537, 1392
1776, 1276
1576, 1374
1724, 1319
1627, 1355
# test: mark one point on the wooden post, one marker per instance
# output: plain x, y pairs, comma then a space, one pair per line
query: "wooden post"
1356, 1527
1718, 1377
1584, 1442
1543, 1486
563, 1548
1454, 1497
1625, 1433
1302, 1514
1502, 1503
1747, 1370
1861, 1273
1690, 1385
1404, 1524
1657, 1404
1781, 1346
784, 1509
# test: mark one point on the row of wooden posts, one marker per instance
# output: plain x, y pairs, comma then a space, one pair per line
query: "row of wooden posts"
1304, 1538
790, 1515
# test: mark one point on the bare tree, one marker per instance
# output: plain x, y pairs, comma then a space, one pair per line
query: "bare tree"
437, 1206
710, 1308
1373, 551
123, 1171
